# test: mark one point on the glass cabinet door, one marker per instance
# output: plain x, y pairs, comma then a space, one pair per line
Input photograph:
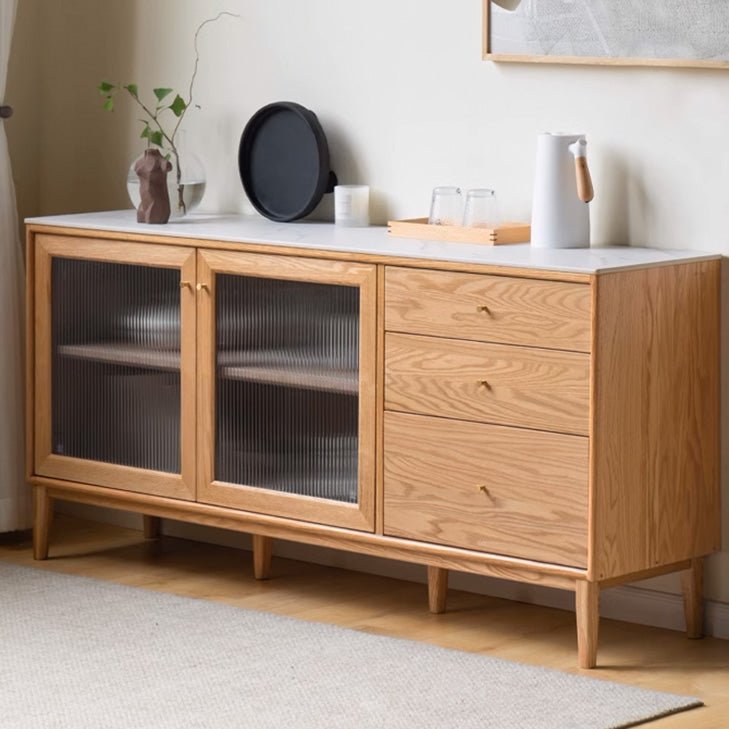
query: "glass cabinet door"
287, 362
114, 371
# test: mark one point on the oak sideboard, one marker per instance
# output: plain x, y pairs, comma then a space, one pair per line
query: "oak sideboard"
549, 417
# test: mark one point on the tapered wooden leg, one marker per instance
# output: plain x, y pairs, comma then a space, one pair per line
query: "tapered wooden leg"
152, 526
587, 610
262, 553
42, 515
692, 581
437, 589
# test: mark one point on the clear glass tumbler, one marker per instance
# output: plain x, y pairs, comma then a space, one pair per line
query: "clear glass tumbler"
446, 207
482, 210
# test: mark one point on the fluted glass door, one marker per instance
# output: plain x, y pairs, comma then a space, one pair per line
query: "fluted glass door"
289, 413
112, 348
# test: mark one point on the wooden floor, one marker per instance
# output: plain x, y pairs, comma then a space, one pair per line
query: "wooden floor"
633, 654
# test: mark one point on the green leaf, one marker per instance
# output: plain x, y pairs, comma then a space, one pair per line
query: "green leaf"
161, 93
178, 106
109, 104
145, 132
105, 87
132, 89
156, 138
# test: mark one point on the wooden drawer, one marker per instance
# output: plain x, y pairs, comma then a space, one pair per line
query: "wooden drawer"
488, 383
503, 490
548, 314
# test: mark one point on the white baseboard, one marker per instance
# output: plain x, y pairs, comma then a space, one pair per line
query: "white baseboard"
628, 603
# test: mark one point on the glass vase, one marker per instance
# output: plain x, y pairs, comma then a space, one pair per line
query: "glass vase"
186, 189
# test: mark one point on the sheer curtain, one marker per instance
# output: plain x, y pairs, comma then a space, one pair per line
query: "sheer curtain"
14, 494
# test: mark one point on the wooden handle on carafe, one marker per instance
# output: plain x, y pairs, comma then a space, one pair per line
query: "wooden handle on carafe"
585, 190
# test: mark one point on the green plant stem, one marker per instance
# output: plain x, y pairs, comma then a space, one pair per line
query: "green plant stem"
188, 103
170, 138
173, 148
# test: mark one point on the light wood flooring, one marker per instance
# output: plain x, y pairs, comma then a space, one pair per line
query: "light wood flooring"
642, 656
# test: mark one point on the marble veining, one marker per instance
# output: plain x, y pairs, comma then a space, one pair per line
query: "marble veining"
374, 240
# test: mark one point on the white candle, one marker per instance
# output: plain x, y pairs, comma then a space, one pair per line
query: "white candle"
352, 206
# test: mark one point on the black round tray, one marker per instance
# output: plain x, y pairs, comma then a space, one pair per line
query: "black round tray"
283, 160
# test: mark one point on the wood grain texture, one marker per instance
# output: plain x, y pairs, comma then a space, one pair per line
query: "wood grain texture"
592, 450
437, 590
419, 229
488, 383
380, 405
139, 480
289, 268
494, 565
42, 517
262, 554
180, 486
587, 613
42, 362
151, 527
206, 377
283, 250
663, 569
488, 488
507, 310
241, 496
652, 449
99, 248
30, 285
188, 375
692, 584
656, 419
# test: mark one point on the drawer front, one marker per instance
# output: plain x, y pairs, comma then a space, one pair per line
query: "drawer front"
548, 314
489, 383
488, 488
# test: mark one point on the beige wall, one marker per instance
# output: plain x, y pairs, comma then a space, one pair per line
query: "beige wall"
405, 100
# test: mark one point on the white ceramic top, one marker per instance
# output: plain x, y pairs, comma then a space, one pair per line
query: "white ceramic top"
375, 240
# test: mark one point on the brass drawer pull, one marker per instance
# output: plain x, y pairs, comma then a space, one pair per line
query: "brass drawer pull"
484, 490
485, 384
483, 309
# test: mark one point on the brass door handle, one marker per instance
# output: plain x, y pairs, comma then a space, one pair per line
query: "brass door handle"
203, 287
185, 285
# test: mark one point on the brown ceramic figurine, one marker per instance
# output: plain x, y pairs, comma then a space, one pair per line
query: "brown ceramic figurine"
152, 171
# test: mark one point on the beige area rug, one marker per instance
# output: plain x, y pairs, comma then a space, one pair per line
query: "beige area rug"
79, 653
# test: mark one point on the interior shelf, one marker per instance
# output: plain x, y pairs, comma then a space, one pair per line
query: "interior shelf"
292, 368
289, 368
124, 353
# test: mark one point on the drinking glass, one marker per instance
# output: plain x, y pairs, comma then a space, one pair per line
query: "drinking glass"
481, 209
446, 207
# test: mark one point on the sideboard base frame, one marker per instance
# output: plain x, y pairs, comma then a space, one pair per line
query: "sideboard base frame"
438, 559
633, 487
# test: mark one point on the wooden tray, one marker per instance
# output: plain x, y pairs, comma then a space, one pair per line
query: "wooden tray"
419, 228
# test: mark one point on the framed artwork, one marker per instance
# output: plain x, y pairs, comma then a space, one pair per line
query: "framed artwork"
689, 33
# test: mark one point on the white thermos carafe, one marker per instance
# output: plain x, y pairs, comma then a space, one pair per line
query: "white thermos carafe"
562, 191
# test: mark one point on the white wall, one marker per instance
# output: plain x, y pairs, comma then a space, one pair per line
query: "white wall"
407, 104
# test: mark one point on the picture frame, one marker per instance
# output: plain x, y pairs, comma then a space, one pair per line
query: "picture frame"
603, 32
